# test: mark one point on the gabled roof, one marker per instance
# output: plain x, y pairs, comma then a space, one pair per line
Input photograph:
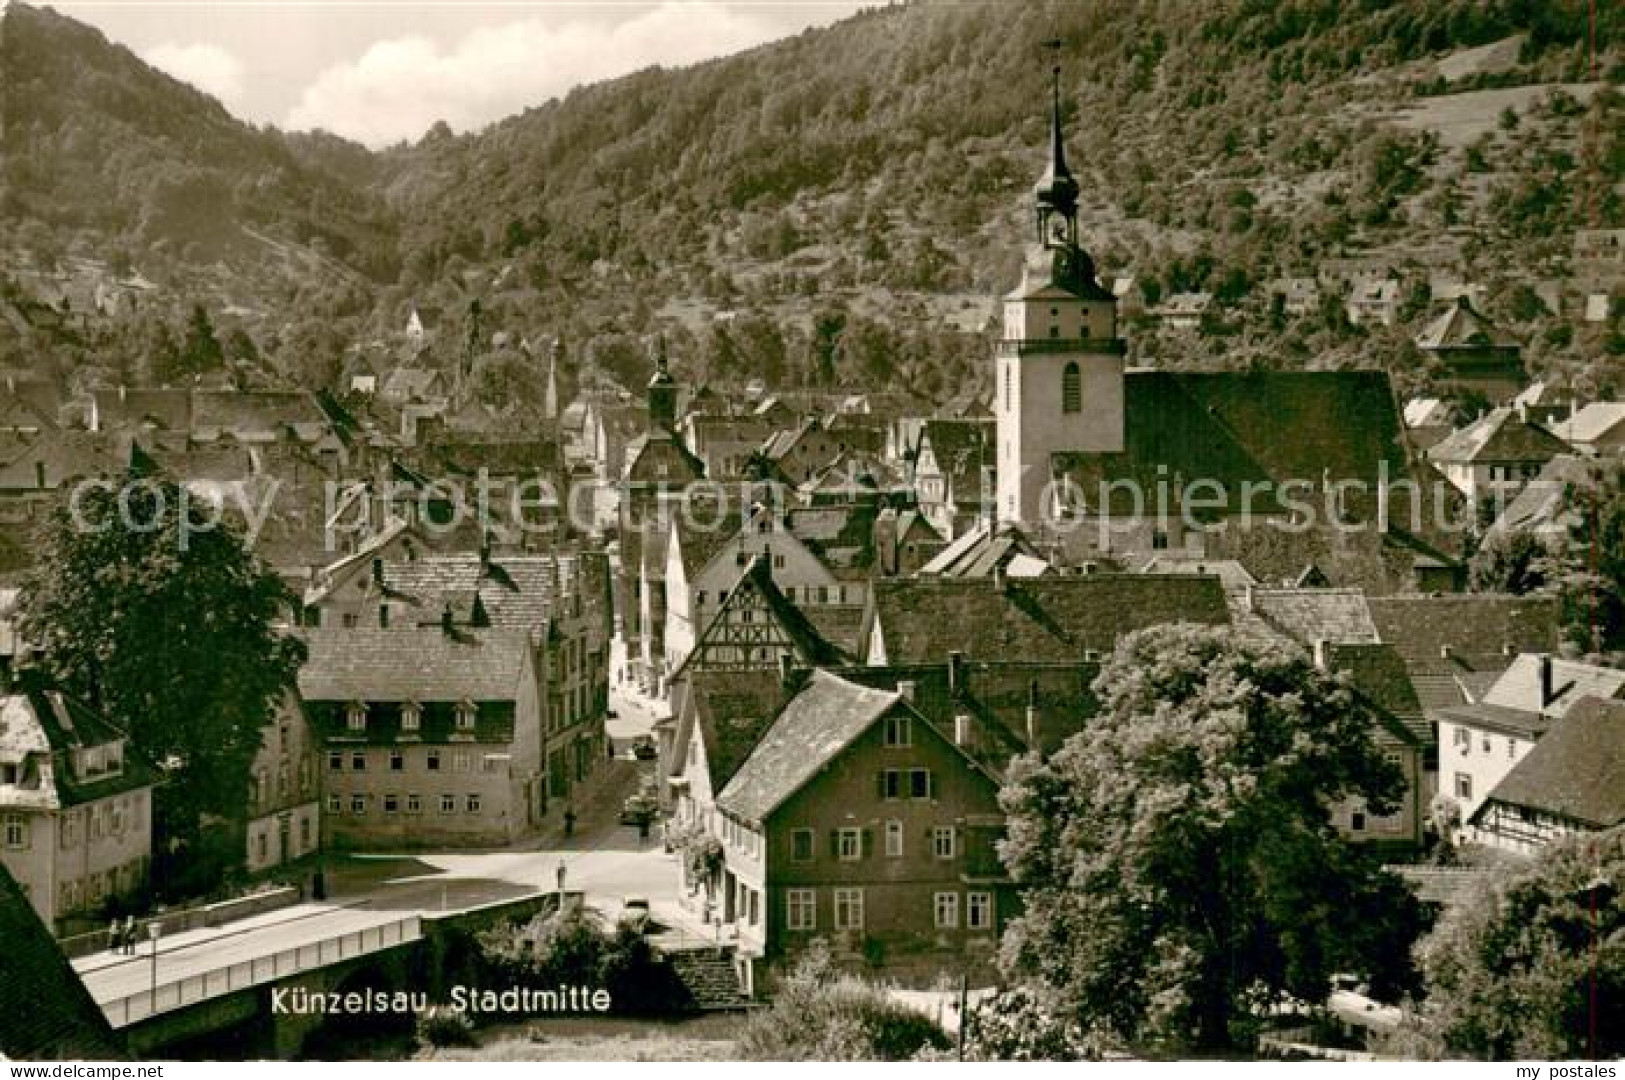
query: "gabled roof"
730, 710
46, 1014
255, 411
985, 548
1242, 428
515, 592
1479, 631
1231, 572
1520, 686
38, 720
1306, 616
361, 664
64, 455
1593, 422
1380, 677
1576, 772
811, 648
818, 723
1541, 507
1461, 327
1051, 618
1426, 412
169, 410
1499, 435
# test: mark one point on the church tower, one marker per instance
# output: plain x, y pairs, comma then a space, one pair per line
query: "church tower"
662, 394
1059, 367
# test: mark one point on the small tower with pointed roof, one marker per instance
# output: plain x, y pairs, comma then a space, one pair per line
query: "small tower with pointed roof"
662, 393
1059, 365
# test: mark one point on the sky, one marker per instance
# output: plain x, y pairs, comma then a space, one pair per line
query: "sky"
380, 72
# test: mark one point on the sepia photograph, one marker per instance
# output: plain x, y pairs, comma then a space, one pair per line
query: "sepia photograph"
671, 531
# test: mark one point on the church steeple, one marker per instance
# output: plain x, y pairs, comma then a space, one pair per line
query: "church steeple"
1056, 193
662, 392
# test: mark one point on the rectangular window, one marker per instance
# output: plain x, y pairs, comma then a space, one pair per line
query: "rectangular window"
358, 761
801, 845
335, 761
411, 717
919, 783
849, 909
433, 761
16, 831
473, 804
358, 804
899, 731
946, 910
801, 909
849, 845
1512, 748
448, 804
460, 760
894, 839
335, 804
1461, 738
942, 842
1357, 821
979, 911
392, 804
893, 784
397, 761
1464, 785
414, 804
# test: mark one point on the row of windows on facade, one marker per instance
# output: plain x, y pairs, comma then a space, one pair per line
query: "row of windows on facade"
262, 781
263, 842
97, 887
1071, 385
410, 803
835, 595
112, 819
1462, 739
846, 907
356, 713
461, 760
855, 843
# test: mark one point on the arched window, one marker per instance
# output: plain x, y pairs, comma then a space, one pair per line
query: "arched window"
1071, 389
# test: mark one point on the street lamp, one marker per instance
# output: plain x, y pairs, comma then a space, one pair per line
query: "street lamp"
154, 929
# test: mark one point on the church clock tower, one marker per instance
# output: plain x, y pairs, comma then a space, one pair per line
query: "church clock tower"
1059, 367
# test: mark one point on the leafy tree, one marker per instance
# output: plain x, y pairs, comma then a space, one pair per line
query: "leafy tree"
146, 606
200, 350
1535, 969
1178, 860
1589, 571
1510, 562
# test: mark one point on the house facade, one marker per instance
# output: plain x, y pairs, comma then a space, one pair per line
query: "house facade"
429, 736
75, 805
284, 799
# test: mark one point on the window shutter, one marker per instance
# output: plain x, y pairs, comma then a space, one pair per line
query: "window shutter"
868, 848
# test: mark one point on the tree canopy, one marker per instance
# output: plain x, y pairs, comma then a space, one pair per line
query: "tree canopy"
1178, 861
1535, 969
145, 605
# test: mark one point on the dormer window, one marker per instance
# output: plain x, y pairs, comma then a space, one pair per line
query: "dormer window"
466, 711
355, 716
411, 716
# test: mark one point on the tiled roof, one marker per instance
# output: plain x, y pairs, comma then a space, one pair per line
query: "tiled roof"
1500, 435
841, 537
254, 411
981, 550
1577, 771
1541, 507
1462, 328
1246, 428
517, 592
46, 1014
360, 664
65, 455
29, 402
170, 410
1052, 618
1479, 630
818, 723
1380, 677
1310, 615
732, 710
1592, 422
1520, 686
1229, 571
40, 721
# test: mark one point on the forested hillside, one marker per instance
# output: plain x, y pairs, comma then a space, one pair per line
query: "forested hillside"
846, 202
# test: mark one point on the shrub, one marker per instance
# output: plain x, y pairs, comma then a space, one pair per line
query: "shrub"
442, 1026
822, 1015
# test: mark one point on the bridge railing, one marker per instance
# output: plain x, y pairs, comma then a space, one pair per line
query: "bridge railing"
308, 956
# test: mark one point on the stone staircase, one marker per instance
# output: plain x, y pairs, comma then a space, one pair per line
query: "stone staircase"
711, 978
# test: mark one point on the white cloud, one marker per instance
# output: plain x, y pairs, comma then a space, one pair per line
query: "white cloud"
210, 68
399, 87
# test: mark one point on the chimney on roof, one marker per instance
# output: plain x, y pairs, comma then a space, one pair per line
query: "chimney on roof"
1546, 695
39, 475
956, 673
787, 668
962, 730
1322, 656
1032, 728
905, 690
